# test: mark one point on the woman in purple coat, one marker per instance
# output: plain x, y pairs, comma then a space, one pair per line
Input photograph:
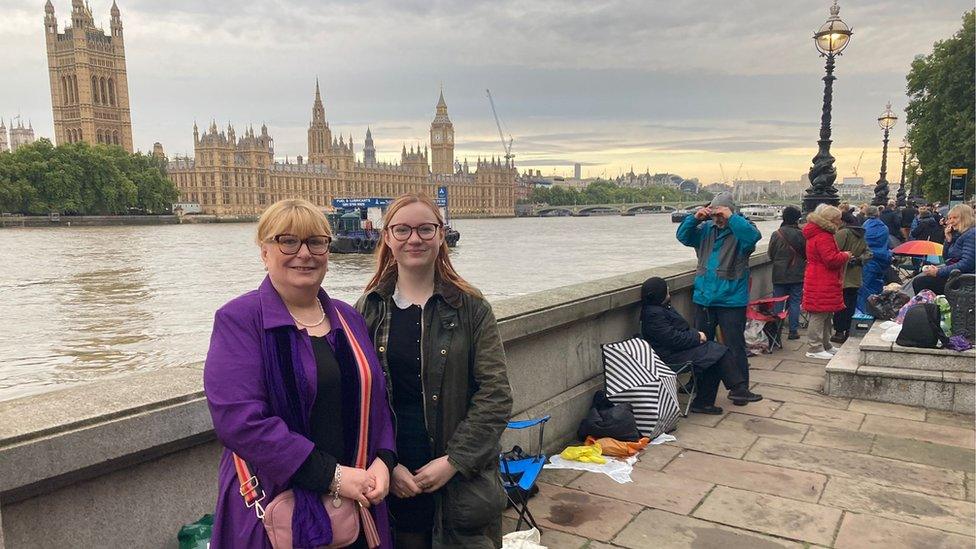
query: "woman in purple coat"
288, 395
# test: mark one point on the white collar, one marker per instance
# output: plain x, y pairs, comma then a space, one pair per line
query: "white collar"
402, 302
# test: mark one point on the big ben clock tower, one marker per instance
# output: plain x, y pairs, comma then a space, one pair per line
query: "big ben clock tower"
442, 140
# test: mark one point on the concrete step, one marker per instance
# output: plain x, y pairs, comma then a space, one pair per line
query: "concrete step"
875, 351
932, 388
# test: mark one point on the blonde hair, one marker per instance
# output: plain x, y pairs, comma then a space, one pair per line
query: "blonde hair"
828, 212
292, 216
386, 267
965, 214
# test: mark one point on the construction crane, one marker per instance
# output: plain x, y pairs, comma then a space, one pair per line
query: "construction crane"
736, 176
507, 147
858, 165
724, 179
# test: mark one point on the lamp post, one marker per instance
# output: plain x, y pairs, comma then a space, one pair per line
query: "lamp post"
831, 39
916, 191
906, 150
886, 121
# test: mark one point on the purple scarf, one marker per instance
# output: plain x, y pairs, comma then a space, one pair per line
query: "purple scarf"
286, 382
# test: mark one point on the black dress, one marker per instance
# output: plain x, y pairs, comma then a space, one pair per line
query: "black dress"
414, 514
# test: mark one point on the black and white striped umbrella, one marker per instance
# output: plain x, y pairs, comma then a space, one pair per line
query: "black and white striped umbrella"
636, 375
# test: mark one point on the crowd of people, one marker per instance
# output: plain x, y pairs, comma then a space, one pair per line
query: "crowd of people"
827, 267
392, 409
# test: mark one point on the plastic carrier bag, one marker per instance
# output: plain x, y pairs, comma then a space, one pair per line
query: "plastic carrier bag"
196, 535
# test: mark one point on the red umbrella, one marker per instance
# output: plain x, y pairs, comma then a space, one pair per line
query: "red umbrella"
919, 248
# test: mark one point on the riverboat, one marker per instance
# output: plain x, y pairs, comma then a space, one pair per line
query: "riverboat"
761, 212
678, 216
357, 223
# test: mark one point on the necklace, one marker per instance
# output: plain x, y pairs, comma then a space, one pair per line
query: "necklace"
321, 320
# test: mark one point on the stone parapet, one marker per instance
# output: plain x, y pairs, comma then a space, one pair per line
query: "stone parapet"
125, 462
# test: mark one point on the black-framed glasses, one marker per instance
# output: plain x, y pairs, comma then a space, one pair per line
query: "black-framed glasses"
289, 244
402, 231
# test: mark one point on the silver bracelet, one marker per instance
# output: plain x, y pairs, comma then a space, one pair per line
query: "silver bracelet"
336, 484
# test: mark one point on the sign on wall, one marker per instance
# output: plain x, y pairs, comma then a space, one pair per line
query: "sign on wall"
957, 185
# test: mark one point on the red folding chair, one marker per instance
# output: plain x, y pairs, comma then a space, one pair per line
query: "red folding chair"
764, 310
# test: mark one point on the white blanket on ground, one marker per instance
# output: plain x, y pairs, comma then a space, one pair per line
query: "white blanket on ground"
618, 469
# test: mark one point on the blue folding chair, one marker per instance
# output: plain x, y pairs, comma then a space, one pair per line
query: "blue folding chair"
520, 471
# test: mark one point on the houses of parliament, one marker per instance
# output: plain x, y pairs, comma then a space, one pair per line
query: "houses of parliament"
237, 174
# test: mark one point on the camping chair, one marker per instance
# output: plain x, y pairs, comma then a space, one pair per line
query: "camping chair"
520, 471
764, 310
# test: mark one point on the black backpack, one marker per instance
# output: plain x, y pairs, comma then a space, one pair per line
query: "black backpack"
921, 327
606, 419
960, 292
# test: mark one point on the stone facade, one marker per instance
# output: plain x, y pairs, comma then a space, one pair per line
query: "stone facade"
4, 145
231, 175
19, 135
89, 86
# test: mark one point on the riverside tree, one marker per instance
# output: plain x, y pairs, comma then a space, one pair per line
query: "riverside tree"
940, 110
79, 179
608, 192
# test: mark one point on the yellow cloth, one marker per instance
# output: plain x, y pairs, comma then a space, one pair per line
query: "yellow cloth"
585, 454
618, 448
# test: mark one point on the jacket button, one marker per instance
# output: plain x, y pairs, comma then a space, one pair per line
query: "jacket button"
434, 398
382, 349
443, 351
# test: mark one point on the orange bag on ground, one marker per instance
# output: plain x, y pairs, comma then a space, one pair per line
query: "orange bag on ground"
618, 448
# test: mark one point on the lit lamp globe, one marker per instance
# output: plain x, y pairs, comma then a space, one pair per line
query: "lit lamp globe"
834, 35
887, 119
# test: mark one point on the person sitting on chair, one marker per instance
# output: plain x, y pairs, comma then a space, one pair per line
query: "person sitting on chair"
672, 337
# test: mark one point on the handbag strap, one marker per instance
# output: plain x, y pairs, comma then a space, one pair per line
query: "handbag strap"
249, 488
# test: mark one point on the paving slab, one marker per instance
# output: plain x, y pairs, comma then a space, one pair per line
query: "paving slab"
802, 368
706, 420
859, 531
970, 487
654, 458
952, 419
749, 475
816, 415
650, 489
580, 514
784, 379
764, 426
929, 453
841, 439
764, 407
886, 409
654, 528
907, 506
774, 515
713, 441
918, 430
764, 362
559, 477
880, 470
801, 396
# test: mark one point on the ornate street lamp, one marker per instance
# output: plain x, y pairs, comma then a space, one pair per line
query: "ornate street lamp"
831, 39
916, 191
906, 150
886, 121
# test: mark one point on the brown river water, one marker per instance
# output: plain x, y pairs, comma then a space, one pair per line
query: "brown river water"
79, 304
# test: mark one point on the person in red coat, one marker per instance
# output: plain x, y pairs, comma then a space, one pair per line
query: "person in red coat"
823, 281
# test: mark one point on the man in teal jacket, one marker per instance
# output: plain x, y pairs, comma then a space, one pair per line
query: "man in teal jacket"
723, 241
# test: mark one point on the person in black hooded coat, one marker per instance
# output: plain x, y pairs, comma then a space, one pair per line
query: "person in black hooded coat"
672, 338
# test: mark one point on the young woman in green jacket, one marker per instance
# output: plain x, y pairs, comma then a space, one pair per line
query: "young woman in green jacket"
438, 342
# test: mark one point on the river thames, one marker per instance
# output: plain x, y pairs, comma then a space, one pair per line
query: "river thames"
78, 304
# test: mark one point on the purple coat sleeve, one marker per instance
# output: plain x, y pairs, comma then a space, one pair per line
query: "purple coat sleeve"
239, 404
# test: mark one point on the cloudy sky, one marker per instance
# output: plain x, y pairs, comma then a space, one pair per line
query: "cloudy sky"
682, 85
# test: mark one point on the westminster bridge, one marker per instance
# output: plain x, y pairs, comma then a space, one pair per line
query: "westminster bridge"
582, 210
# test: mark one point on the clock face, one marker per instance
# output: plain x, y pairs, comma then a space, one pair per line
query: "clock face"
437, 137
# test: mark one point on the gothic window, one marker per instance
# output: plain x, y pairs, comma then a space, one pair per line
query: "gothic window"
111, 92
64, 91
98, 136
94, 85
104, 90
74, 93
115, 137
81, 135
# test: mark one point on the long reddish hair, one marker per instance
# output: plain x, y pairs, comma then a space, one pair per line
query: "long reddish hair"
386, 267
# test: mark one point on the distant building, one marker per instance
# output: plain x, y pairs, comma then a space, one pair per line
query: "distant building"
89, 86
239, 175
4, 144
854, 189
577, 171
19, 135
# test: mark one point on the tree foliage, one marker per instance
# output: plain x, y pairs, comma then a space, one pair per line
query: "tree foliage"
940, 110
78, 179
608, 192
